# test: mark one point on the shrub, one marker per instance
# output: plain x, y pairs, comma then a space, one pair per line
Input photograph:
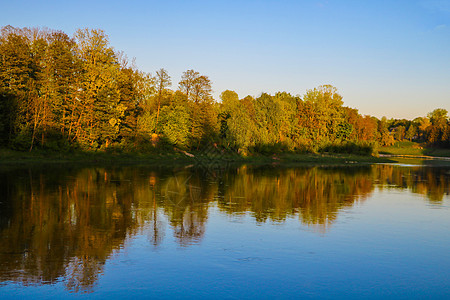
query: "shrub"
359, 148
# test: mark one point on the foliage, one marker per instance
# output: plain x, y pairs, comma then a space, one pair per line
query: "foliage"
61, 93
359, 148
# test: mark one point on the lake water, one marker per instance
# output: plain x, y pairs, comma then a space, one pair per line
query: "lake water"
379, 231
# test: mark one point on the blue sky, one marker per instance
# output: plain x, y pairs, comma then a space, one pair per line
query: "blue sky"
387, 58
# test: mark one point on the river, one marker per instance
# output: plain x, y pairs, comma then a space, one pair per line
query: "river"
374, 231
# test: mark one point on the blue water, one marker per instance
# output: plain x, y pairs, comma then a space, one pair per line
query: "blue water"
390, 239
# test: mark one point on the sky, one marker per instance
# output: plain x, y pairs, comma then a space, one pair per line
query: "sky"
386, 58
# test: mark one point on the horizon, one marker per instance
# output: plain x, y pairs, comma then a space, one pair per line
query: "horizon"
385, 59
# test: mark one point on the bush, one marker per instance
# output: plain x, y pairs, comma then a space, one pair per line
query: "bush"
268, 149
22, 141
359, 148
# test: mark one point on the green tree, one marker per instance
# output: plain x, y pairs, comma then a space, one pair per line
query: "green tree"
385, 138
438, 116
399, 132
438, 131
176, 124
99, 116
424, 126
411, 132
16, 76
322, 115
230, 100
162, 82
63, 69
237, 127
198, 90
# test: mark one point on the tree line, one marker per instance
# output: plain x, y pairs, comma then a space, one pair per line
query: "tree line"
59, 92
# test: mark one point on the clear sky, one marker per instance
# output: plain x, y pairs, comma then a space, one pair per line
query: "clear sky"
387, 58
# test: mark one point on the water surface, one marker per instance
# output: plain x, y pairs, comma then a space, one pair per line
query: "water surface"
249, 232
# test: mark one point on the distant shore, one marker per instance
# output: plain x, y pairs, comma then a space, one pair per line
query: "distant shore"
11, 157
414, 150
390, 154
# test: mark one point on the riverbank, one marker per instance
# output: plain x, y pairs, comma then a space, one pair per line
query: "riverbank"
414, 149
11, 157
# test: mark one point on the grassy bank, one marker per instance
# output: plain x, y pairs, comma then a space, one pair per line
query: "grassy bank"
11, 157
413, 149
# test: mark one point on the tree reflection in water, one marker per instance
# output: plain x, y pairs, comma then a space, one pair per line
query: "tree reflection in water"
65, 223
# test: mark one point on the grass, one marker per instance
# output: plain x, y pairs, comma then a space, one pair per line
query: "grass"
437, 152
413, 149
11, 157
403, 148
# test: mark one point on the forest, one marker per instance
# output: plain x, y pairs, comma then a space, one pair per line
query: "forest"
63, 93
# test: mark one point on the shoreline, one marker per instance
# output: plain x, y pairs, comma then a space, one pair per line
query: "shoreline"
427, 157
17, 158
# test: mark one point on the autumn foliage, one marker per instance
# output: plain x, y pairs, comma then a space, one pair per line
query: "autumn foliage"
59, 92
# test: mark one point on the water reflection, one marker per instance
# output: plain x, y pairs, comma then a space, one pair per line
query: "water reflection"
316, 194
63, 224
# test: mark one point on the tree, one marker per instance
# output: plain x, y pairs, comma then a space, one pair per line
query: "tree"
424, 126
288, 125
230, 100
322, 115
385, 138
176, 125
411, 132
99, 113
16, 75
162, 81
197, 89
186, 84
201, 89
241, 131
128, 104
64, 67
399, 132
438, 131
438, 116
